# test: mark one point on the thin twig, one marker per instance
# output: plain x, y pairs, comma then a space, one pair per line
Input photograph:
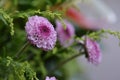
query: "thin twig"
21, 49
66, 61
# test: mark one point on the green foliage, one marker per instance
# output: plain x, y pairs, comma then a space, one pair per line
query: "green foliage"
7, 20
16, 70
102, 32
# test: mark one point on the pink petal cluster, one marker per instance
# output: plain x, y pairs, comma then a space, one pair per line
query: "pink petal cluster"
41, 32
50, 78
65, 36
92, 51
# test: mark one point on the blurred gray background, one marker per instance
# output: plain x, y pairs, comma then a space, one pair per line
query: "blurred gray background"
109, 69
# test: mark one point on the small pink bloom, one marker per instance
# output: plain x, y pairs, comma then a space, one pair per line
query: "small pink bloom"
77, 17
65, 36
50, 78
40, 32
93, 52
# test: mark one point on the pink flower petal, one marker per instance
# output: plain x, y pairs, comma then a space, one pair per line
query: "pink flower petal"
93, 51
41, 32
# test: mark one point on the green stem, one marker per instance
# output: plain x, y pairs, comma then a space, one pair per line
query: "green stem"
21, 50
66, 61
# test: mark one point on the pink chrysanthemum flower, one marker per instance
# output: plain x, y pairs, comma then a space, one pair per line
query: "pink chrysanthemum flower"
41, 32
65, 36
93, 52
50, 78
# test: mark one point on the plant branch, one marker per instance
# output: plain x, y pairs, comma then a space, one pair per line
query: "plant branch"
66, 61
21, 49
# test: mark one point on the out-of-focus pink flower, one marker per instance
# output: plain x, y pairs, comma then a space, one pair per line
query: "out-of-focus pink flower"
41, 32
65, 36
77, 17
93, 52
50, 78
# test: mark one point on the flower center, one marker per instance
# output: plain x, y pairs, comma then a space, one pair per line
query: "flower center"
67, 32
44, 30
